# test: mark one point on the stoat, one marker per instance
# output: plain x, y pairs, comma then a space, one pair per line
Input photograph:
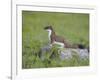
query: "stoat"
55, 39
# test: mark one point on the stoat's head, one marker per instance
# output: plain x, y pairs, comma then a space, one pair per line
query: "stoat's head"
48, 28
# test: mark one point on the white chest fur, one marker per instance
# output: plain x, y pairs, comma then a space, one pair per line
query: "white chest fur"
55, 42
49, 31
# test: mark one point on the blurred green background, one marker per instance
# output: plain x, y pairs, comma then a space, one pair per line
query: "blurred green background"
74, 27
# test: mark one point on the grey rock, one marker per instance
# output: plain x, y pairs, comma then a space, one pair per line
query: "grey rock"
66, 53
44, 50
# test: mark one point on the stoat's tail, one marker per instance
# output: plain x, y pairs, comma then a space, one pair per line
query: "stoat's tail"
80, 46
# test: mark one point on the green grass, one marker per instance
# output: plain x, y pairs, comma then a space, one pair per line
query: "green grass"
72, 26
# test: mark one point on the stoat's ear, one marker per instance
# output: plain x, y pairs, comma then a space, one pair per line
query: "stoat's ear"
50, 26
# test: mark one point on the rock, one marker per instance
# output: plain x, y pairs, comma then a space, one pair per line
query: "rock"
66, 53
83, 53
44, 50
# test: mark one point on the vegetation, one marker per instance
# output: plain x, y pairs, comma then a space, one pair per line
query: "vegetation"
74, 27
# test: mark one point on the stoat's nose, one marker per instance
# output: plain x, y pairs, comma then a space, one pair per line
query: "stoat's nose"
44, 28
